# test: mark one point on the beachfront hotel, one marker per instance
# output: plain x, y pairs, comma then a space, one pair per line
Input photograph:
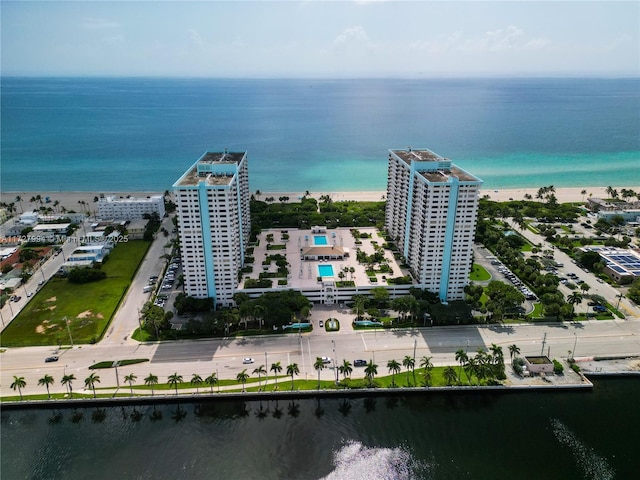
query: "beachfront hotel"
130, 208
431, 214
212, 199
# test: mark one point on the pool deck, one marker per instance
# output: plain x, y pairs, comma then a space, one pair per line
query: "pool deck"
304, 273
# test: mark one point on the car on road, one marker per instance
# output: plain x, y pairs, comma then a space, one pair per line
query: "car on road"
359, 363
41, 282
325, 359
29, 294
51, 359
247, 360
321, 323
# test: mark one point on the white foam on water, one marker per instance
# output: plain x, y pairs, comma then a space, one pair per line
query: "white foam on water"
593, 465
354, 461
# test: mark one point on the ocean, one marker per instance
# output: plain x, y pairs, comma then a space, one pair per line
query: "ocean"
555, 434
141, 134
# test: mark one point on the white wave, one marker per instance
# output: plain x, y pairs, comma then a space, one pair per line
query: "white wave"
593, 465
354, 461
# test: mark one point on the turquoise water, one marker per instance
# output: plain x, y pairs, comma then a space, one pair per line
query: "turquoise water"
320, 240
325, 270
139, 134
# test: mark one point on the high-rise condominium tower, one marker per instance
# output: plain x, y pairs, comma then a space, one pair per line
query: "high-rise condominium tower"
212, 199
431, 213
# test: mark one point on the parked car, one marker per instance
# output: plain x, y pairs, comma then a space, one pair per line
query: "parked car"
359, 363
321, 323
51, 359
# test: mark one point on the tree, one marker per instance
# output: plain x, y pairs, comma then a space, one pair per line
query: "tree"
242, 377
359, 304
345, 369
260, 371
450, 375
46, 381
211, 380
174, 380
425, 362
150, 381
292, 369
574, 298
394, 367
514, 350
130, 379
90, 382
18, 383
461, 358
67, 380
196, 381
370, 371
276, 368
319, 366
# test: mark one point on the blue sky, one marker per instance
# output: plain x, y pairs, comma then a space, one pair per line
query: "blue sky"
320, 38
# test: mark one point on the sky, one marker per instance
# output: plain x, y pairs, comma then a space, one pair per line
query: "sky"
336, 39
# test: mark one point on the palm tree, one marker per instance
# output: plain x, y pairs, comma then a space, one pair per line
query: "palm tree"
174, 380
585, 287
394, 367
514, 350
130, 379
370, 371
461, 358
151, 380
196, 380
211, 380
425, 362
46, 381
68, 380
449, 375
319, 366
19, 200
574, 298
260, 371
18, 383
292, 369
583, 193
90, 382
410, 363
345, 369
276, 368
242, 378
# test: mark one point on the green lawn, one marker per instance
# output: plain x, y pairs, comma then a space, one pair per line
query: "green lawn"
479, 273
89, 307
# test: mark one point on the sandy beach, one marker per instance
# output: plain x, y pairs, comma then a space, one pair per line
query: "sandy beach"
71, 200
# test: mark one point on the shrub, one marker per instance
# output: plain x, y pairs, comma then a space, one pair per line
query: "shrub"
557, 367
86, 275
575, 367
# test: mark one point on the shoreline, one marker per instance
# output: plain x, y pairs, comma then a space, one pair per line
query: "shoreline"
71, 200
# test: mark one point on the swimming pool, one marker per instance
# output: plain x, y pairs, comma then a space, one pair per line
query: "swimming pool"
325, 270
320, 240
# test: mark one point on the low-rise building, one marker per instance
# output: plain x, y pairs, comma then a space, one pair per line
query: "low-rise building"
130, 207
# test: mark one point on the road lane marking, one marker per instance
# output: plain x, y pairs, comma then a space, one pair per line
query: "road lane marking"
364, 343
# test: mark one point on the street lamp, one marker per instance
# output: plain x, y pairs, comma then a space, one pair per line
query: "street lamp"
335, 366
115, 365
575, 343
67, 322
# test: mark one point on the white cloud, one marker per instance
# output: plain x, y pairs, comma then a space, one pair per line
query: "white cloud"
114, 40
504, 39
351, 36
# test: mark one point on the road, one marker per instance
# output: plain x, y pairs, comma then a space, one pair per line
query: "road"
224, 356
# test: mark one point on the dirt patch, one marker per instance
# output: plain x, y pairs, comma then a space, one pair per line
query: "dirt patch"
52, 307
85, 314
52, 299
634, 365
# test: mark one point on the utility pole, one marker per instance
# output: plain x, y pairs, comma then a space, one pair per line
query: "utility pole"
573, 354
415, 345
67, 322
544, 341
335, 365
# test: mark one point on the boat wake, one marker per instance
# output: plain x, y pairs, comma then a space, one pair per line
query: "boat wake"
354, 461
593, 465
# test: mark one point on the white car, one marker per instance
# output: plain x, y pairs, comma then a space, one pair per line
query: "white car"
325, 359
247, 360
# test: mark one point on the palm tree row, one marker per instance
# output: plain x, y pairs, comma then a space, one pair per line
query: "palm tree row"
484, 365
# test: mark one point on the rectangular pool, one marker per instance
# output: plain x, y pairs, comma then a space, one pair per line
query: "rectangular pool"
320, 240
325, 270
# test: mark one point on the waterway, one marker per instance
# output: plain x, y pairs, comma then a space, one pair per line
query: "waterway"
522, 435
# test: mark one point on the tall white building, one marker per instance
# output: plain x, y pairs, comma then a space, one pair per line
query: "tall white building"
212, 199
431, 213
129, 208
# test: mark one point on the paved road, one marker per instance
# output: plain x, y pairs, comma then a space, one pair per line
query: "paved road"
224, 356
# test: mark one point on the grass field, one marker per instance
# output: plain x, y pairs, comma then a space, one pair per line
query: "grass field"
479, 273
88, 307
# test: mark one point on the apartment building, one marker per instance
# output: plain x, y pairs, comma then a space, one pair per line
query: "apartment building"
212, 199
431, 214
129, 208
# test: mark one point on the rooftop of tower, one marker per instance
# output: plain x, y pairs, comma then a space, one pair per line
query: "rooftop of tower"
432, 166
213, 168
